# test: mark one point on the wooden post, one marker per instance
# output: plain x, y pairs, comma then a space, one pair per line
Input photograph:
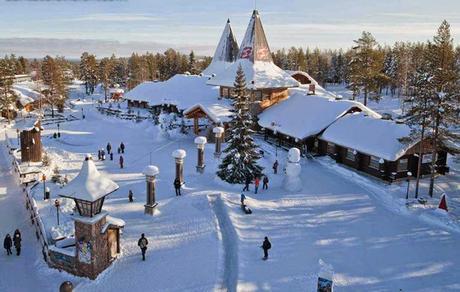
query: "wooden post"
179, 156
218, 131
150, 173
200, 141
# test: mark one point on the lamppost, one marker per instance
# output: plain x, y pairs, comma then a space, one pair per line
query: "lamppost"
57, 204
59, 134
44, 186
17, 132
409, 174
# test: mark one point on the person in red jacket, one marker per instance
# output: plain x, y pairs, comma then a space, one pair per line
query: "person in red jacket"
256, 184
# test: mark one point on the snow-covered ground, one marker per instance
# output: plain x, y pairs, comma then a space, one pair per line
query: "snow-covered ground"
202, 241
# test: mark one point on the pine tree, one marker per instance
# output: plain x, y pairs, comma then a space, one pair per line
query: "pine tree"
106, 73
7, 95
53, 77
366, 67
445, 86
192, 63
240, 162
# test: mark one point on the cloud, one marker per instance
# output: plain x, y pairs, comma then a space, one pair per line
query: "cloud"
112, 17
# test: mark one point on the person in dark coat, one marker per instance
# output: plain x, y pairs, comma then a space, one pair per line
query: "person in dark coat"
99, 155
122, 147
111, 155
242, 198
102, 154
109, 148
265, 185
17, 241
130, 196
121, 161
246, 184
119, 150
7, 243
142, 243
275, 167
177, 186
266, 245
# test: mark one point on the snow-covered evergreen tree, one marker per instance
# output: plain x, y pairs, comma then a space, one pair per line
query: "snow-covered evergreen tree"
7, 95
240, 161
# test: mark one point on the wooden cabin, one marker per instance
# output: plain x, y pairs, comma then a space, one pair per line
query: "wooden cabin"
31, 144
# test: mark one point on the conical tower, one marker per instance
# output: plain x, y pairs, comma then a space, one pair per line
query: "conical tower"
256, 60
255, 46
226, 52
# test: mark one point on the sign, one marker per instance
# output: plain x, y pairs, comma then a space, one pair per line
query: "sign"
84, 252
324, 285
246, 53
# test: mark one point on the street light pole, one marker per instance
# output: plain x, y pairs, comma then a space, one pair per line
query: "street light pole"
409, 174
56, 204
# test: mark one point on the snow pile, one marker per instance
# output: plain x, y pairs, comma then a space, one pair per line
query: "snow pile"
179, 154
301, 116
151, 170
200, 140
63, 230
377, 137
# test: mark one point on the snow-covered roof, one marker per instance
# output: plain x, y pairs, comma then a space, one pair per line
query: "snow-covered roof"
216, 112
376, 137
225, 54
116, 90
256, 60
112, 221
258, 75
181, 90
293, 72
89, 185
301, 116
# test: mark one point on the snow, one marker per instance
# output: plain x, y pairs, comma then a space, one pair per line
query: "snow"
112, 221
89, 185
179, 153
151, 170
217, 112
294, 155
360, 227
258, 75
200, 140
301, 116
181, 90
292, 73
376, 137
218, 131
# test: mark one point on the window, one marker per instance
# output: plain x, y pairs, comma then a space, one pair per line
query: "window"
427, 158
403, 164
330, 148
374, 162
350, 154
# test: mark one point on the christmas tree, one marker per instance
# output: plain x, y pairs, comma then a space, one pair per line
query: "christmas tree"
240, 161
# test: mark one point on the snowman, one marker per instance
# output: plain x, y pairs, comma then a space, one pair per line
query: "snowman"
292, 181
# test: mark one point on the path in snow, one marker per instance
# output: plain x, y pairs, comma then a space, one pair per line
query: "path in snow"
23, 273
229, 240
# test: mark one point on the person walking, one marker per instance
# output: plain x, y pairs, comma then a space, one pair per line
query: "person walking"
265, 183
130, 196
109, 148
121, 161
177, 186
256, 184
275, 167
266, 245
119, 150
122, 147
102, 154
7, 243
243, 197
99, 155
111, 155
142, 243
17, 241
246, 184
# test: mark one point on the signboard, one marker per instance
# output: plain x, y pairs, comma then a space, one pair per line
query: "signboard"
84, 252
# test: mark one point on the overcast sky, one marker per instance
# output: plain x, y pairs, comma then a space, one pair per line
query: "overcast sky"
197, 24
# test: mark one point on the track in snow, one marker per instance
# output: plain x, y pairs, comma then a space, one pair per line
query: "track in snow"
229, 243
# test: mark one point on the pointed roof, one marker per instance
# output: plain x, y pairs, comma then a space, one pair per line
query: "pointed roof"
254, 45
89, 185
256, 60
226, 52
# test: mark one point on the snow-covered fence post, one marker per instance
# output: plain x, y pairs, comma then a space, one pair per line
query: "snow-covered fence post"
150, 172
218, 131
293, 169
179, 156
200, 141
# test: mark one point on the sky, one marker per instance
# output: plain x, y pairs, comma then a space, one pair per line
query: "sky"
67, 27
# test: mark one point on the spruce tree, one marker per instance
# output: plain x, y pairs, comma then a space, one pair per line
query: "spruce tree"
445, 87
7, 95
240, 161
